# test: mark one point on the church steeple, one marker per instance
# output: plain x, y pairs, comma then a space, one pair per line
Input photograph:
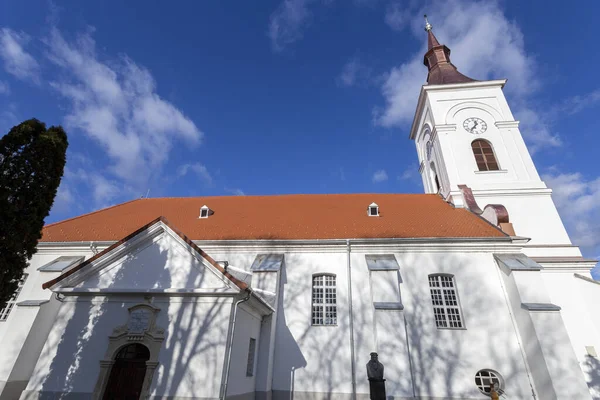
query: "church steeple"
437, 60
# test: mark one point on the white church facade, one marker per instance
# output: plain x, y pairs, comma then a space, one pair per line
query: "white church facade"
473, 283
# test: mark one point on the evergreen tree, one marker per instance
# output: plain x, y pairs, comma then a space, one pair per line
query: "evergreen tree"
32, 161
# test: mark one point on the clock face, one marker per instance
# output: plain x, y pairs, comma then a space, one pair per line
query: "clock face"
474, 125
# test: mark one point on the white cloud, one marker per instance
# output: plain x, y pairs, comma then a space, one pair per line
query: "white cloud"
4, 88
17, 61
489, 46
116, 105
349, 71
197, 168
287, 23
65, 198
537, 129
380, 176
8, 118
397, 15
575, 104
354, 73
103, 191
235, 192
578, 200
409, 173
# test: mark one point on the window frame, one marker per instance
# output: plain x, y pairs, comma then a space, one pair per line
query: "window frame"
323, 305
482, 388
12, 302
72, 262
486, 162
448, 322
251, 357
373, 206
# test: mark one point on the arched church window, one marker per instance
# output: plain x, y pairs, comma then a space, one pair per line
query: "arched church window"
434, 177
324, 300
484, 155
428, 149
127, 373
444, 299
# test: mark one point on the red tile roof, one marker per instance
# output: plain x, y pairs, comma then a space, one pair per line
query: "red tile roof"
334, 216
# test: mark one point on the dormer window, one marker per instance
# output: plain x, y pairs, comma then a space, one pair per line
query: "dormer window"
373, 210
204, 211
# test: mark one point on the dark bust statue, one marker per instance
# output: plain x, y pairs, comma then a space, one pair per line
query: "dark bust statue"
374, 368
376, 381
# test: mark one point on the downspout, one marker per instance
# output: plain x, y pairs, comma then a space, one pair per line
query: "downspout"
352, 361
230, 344
410, 364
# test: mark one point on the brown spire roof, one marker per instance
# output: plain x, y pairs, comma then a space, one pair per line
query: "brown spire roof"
437, 61
319, 216
431, 40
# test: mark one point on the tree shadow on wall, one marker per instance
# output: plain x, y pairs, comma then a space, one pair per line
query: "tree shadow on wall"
444, 362
202, 331
591, 366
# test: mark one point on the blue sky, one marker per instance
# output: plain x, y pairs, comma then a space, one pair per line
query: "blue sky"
294, 96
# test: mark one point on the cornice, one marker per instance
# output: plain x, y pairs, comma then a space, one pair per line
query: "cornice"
444, 128
507, 124
511, 192
586, 278
137, 291
418, 112
334, 245
466, 85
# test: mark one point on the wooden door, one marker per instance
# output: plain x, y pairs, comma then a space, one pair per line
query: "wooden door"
127, 373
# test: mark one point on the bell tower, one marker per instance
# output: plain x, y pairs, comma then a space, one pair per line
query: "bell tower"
467, 136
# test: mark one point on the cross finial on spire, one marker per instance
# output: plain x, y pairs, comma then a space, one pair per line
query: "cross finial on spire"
427, 24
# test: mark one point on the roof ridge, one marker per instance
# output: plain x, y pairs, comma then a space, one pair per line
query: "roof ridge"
90, 213
290, 194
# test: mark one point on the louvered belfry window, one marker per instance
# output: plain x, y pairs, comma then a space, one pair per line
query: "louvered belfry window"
324, 300
444, 299
484, 155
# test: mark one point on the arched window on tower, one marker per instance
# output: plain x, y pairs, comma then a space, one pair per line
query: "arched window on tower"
434, 178
484, 155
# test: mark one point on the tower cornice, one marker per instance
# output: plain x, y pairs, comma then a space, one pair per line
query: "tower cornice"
414, 130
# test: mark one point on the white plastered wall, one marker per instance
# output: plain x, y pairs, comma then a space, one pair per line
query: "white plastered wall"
578, 299
190, 360
17, 359
247, 326
314, 360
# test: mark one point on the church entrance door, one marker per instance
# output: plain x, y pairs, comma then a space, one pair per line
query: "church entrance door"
127, 373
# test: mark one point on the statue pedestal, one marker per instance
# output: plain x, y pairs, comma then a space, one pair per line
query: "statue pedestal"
377, 388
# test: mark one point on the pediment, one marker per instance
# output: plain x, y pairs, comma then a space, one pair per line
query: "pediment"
153, 259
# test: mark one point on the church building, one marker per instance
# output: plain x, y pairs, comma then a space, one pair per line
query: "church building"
471, 288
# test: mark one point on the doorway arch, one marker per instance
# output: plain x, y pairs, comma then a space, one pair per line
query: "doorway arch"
127, 374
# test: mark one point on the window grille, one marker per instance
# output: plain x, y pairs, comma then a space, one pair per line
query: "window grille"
13, 300
485, 378
484, 155
324, 300
446, 308
251, 351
